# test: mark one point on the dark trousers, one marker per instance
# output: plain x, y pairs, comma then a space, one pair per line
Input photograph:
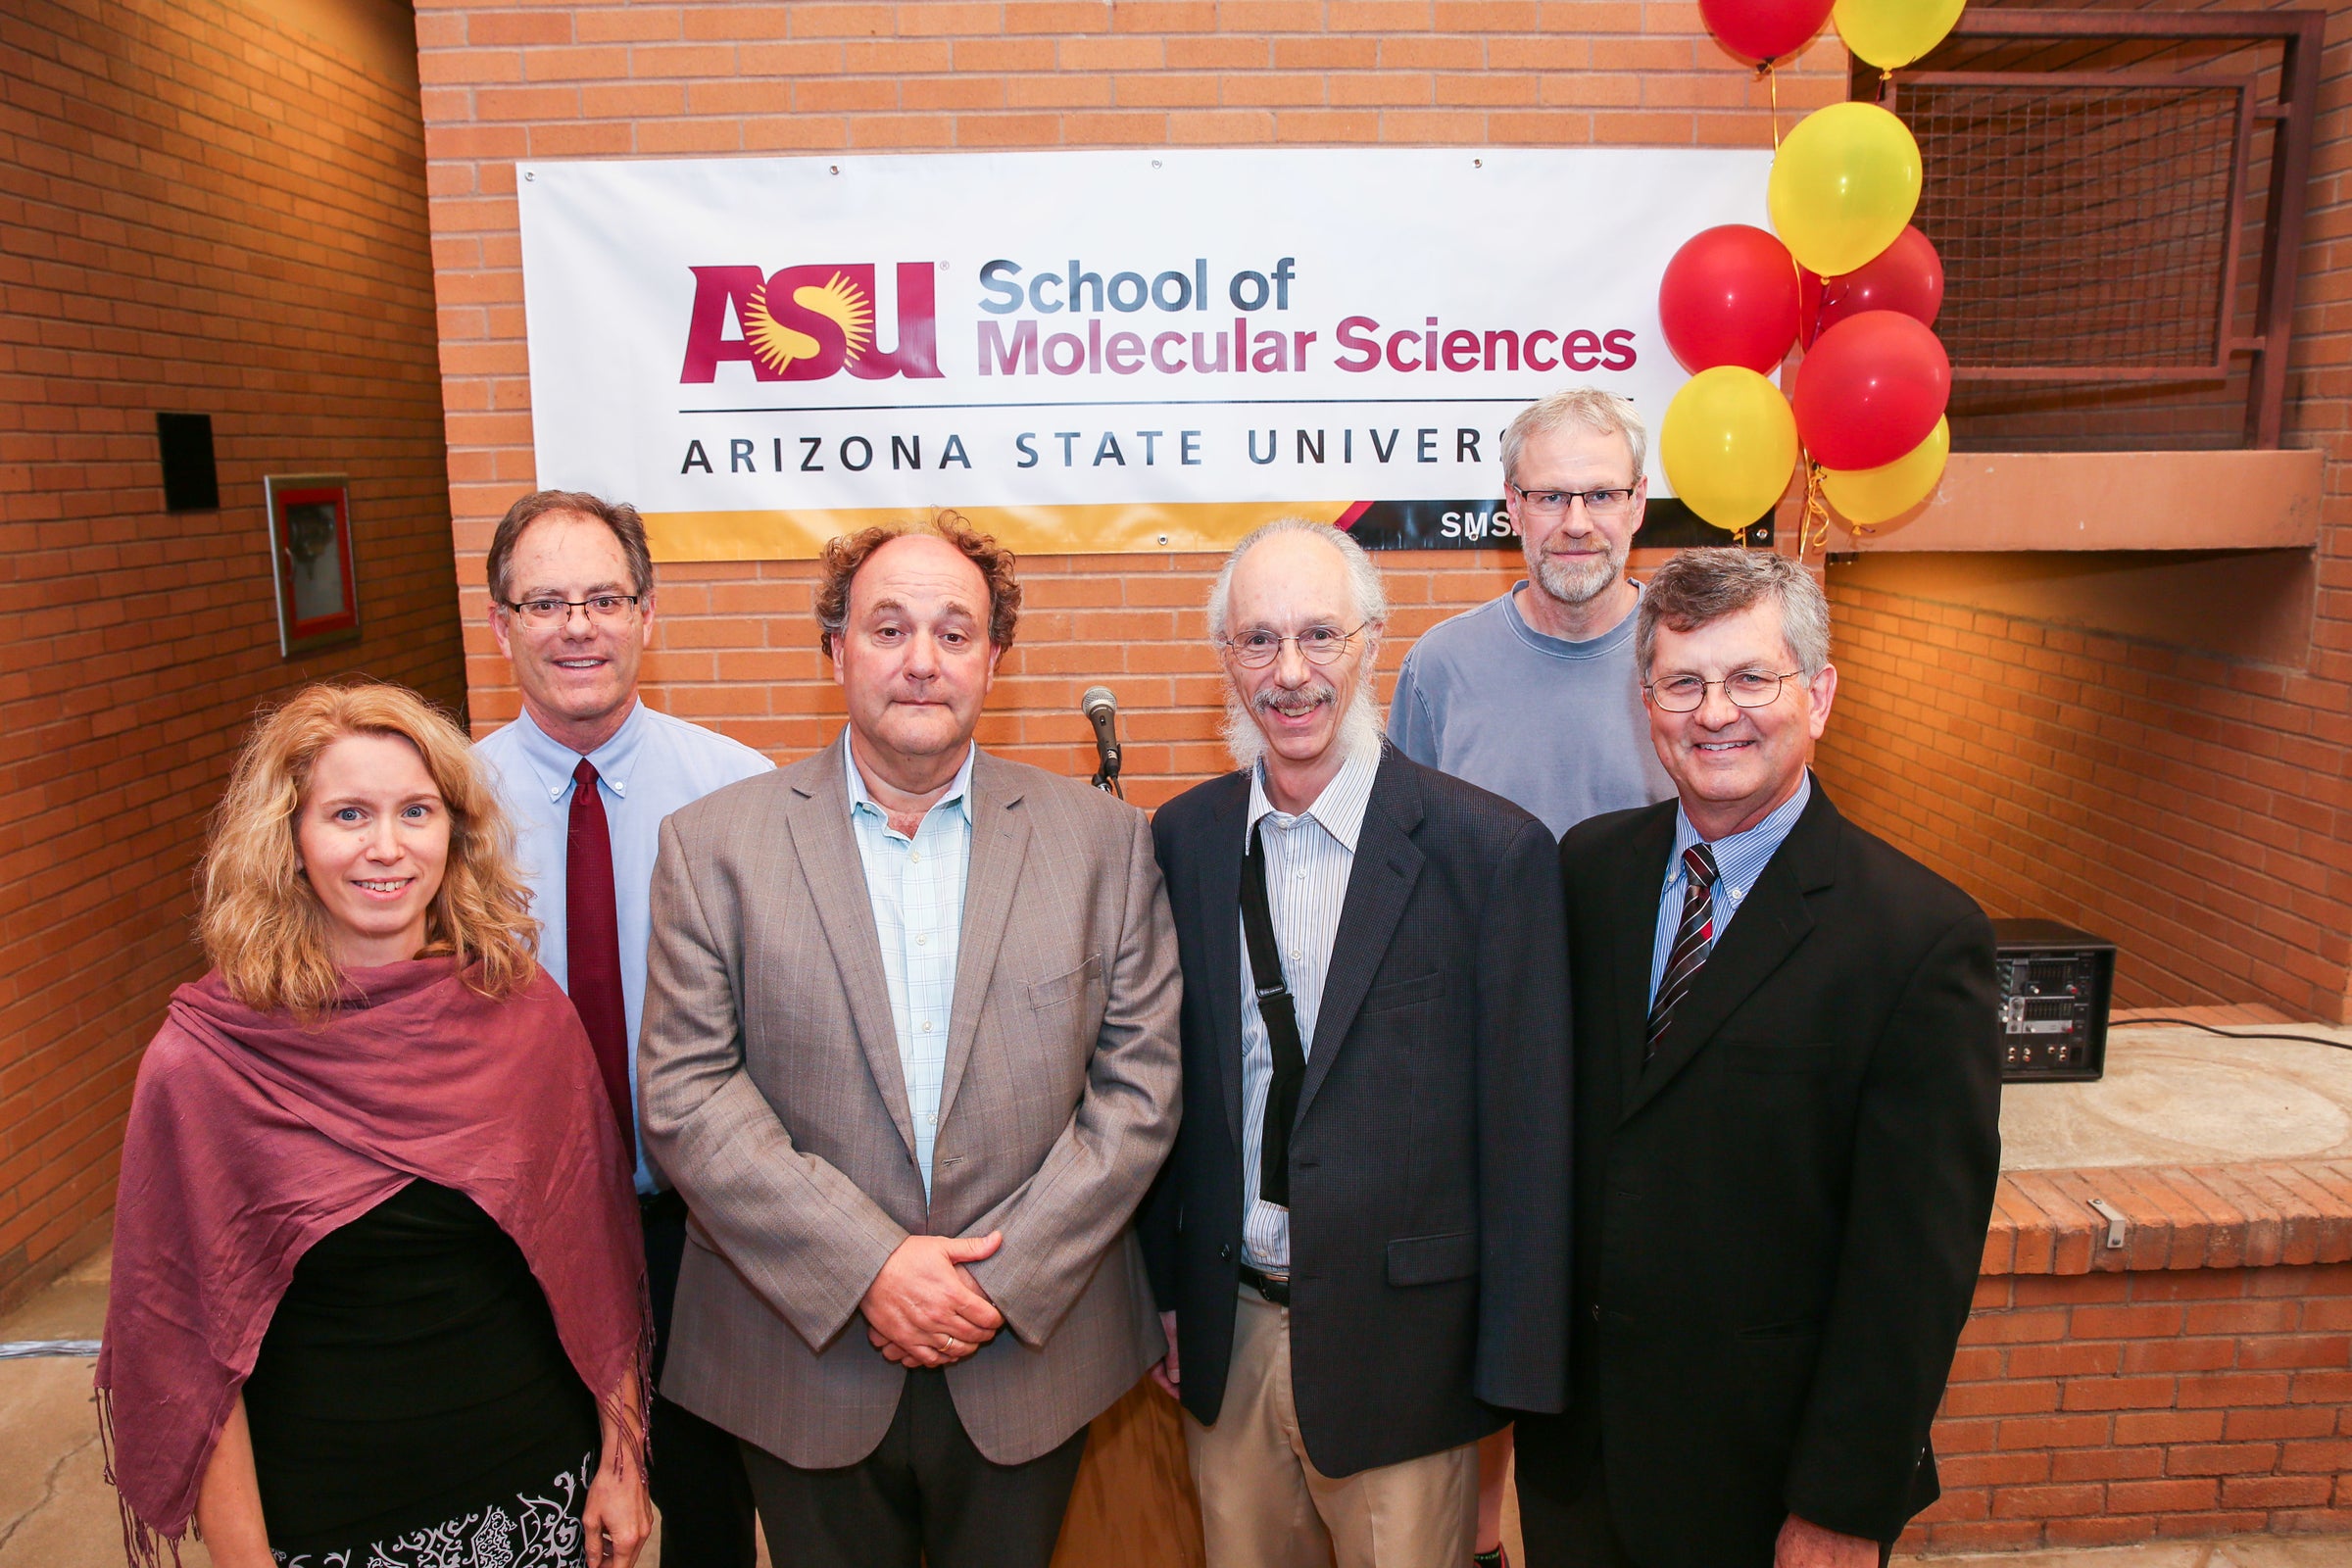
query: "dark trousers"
1582, 1533
697, 1470
924, 1496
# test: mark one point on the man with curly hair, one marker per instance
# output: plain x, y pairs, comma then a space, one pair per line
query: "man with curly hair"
910, 1053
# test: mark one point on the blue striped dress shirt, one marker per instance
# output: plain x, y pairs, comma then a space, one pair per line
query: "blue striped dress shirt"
916, 888
1739, 858
1308, 859
652, 764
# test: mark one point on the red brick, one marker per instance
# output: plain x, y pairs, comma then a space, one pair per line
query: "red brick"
296, 304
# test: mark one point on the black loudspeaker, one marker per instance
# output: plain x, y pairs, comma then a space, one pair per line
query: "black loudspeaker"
191, 483
2056, 984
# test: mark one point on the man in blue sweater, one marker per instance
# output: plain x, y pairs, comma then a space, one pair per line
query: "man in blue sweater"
1534, 694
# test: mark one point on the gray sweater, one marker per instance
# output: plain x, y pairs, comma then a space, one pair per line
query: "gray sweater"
1556, 727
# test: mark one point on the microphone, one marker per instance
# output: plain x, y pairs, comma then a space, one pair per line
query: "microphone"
1101, 710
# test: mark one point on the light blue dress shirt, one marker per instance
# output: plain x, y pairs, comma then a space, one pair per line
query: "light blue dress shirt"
652, 766
1739, 858
1309, 858
916, 887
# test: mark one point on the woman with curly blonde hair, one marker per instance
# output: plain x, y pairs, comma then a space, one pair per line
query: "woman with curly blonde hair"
377, 1293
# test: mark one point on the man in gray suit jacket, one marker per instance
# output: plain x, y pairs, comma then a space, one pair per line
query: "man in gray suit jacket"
909, 1052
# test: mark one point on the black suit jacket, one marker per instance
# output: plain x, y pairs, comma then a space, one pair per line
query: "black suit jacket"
1429, 1157
1779, 1224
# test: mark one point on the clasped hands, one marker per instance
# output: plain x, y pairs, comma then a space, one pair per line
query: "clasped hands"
924, 1309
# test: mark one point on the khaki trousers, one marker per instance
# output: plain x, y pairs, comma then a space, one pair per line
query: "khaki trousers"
1265, 1506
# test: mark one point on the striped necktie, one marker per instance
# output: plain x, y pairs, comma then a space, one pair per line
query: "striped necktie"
1694, 940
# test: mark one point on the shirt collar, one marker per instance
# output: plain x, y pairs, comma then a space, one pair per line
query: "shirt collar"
1340, 809
1608, 642
959, 788
1755, 843
553, 762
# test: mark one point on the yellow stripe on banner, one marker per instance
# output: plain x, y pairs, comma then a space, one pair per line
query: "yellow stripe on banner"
1027, 530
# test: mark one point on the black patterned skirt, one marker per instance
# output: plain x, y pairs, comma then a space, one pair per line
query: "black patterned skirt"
537, 1528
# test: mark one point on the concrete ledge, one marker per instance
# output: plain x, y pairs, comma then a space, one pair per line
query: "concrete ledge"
2106, 500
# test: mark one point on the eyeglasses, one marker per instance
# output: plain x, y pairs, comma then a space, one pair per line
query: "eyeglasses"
1317, 645
1746, 688
1551, 503
545, 613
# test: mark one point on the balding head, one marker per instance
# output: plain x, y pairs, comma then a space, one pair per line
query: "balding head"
1297, 615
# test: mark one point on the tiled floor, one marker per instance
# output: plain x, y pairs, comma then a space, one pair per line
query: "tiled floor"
57, 1511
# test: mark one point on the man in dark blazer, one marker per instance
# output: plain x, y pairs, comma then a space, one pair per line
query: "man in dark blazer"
1360, 1242
1787, 1102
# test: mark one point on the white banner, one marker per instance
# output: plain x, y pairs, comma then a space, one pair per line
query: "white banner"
1092, 350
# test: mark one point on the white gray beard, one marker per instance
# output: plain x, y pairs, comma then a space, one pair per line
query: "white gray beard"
1572, 587
1360, 728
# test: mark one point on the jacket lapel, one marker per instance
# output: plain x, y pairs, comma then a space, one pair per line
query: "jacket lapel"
827, 847
1220, 868
1643, 873
1766, 928
1378, 885
999, 846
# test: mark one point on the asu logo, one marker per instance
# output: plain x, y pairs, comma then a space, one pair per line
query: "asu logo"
803, 323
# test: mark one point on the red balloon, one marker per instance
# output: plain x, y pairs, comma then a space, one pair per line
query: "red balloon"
1764, 29
1870, 389
1729, 297
1906, 276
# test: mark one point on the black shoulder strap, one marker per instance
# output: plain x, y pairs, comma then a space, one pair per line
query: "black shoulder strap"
1281, 1015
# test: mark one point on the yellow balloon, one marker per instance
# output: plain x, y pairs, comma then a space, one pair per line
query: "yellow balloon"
1729, 445
1843, 184
1894, 33
1867, 497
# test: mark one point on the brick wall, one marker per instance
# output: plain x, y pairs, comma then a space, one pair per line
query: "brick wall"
206, 210
2195, 1381
2098, 1409
737, 647
2190, 803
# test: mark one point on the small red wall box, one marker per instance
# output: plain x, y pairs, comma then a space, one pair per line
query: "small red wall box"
311, 560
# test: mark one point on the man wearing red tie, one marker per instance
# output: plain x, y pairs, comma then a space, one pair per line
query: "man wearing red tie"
587, 772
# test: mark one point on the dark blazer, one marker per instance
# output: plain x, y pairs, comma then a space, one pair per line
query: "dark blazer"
1779, 1224
1429, 1158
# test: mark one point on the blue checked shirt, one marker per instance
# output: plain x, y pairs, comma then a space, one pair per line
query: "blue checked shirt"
1739, 858
1308, 859
916, 886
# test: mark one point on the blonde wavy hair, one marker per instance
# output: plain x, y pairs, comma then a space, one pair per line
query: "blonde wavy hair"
259, 919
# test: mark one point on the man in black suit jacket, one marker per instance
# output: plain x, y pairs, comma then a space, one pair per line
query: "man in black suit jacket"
1340, 1347
1787, 1102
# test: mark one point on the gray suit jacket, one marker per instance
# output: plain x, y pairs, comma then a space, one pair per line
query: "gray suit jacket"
773, 1099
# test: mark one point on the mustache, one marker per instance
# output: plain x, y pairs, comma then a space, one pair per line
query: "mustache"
1320, 691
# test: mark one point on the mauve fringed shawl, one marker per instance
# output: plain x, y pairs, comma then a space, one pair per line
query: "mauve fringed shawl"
251, 1136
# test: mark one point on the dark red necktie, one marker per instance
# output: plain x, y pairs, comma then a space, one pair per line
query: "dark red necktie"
592, 946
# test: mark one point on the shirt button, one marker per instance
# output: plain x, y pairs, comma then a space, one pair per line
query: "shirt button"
930, 1118
1295, 956
922, 942
1595, 1311
915, 855
926, 1026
